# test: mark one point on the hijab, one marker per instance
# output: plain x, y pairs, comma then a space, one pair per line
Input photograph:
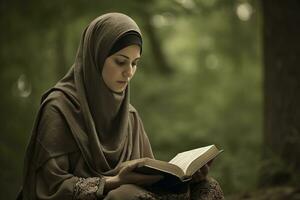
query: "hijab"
104, 126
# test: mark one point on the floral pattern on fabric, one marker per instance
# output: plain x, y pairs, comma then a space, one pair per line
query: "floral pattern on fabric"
87, 188
151, 196
207, 190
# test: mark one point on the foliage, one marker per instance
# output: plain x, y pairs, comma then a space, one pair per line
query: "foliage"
211, 93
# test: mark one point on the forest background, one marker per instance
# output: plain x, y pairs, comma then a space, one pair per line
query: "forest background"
200, 79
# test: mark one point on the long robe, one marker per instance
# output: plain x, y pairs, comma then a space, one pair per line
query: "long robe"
81, 114
83, 131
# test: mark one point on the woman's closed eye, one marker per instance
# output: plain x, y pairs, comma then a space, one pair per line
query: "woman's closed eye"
120, 62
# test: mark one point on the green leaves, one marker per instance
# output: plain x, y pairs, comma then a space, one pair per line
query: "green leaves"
213, 94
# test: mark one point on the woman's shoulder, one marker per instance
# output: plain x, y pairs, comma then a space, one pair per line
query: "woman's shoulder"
53, 128
51, 109
58, 99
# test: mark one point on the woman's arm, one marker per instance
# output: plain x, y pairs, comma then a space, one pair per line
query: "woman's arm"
56, 158
128, 176
55, 178
54, 181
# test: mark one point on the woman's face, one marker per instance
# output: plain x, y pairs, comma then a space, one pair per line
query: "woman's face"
120, 67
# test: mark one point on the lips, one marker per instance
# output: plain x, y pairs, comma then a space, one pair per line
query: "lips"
122, 82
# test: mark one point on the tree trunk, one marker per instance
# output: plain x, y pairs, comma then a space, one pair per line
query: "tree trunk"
160, 59
156, 47
61, 66
281, 43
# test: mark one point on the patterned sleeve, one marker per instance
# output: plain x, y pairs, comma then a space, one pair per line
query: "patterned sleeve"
55, 182
89, 188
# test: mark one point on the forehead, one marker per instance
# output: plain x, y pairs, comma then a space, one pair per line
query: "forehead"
132, 51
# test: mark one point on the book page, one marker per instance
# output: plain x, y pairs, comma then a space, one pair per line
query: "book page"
152, 166
184, 159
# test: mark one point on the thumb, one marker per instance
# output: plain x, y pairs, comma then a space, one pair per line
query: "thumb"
210, 162
205, 169
130, 167
157, 177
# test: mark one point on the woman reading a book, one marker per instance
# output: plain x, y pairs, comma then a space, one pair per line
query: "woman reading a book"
86, 127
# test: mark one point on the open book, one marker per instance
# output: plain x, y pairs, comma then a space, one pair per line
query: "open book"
181, 167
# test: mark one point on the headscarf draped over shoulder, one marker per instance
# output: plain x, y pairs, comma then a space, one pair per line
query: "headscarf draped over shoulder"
102, 124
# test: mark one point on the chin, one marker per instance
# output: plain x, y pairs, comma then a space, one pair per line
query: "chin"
118, 91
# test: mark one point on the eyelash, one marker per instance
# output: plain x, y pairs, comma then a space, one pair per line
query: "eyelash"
122, 63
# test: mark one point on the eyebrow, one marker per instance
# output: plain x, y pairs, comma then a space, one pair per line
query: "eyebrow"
127, 56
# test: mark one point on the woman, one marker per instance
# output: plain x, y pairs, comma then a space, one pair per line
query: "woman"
86, 127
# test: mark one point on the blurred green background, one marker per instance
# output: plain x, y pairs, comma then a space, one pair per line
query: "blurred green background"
199, 81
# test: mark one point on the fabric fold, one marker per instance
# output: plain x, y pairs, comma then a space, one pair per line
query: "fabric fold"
93, 120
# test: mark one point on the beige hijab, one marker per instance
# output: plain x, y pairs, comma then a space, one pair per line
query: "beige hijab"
104, 126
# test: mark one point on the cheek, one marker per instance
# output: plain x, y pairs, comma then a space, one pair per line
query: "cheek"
114, 71
104, 73
134, 70
111, 73
107, 70
107, 75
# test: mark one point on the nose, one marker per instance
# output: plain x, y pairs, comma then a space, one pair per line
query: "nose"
128, 72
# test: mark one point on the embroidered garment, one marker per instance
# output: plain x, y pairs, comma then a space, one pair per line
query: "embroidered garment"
81, 114
84, 131
205, 190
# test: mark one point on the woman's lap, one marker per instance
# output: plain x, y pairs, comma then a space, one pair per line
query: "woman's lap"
206, 190
126, 192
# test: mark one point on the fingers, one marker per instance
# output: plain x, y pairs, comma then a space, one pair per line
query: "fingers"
143, 179
132, 166
204, 170
154, 178
201, 174
129, 168
210, 162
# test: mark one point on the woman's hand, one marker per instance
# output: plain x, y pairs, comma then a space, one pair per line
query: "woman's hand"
201, 174
126, 175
